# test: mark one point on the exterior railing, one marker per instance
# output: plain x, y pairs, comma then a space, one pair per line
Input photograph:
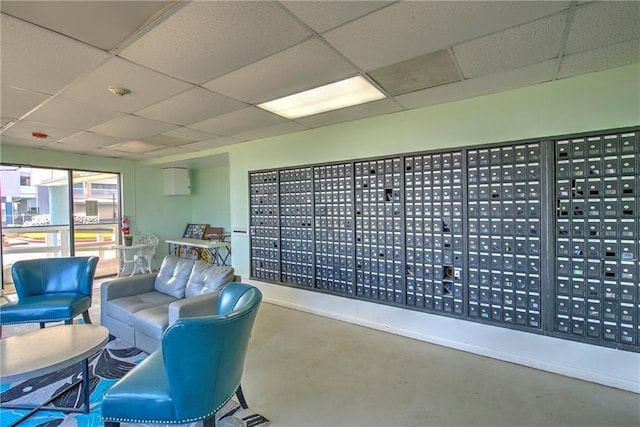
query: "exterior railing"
54, 241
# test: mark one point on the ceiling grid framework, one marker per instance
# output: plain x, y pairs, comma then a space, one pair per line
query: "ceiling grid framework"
198, 70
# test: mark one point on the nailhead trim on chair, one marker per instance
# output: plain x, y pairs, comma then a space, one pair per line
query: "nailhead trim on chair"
189, 420
36, 321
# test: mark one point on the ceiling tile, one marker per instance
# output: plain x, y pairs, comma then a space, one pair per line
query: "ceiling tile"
378, 39
526, 76
205, 40
265, 132
15, 103
40, 60
166, 140
61, 112
106, 152
135, 147
238, 121
190, 134
514, 48
147, 87
24, 129
194, 162
132, 127
376, 108
600, 59
201, 162
192, 106
22, 142
59, 146
211, 143
324, 15
169, 151
432, 69
305, 66
103, 24
251, 52
92, 140
185, 149
602, 24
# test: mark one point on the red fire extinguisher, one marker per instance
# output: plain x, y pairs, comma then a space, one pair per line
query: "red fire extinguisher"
125, 225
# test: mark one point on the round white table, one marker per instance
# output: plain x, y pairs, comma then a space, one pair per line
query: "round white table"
47, 350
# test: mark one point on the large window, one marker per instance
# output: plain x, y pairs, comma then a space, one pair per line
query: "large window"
42, 218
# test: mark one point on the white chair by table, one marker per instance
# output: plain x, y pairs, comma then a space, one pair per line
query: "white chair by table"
147, 253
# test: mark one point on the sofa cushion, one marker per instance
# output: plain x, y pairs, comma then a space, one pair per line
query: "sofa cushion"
206, 278
152, 321
173, 275
123, 308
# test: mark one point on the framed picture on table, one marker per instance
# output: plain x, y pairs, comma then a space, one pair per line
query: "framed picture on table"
195, 231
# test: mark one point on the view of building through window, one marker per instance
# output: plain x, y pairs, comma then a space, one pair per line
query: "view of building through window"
42, 218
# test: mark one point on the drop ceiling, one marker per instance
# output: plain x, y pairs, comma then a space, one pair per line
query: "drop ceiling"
197, 70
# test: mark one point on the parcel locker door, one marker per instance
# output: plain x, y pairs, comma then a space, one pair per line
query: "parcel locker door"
264, 220
296, 226
597, 222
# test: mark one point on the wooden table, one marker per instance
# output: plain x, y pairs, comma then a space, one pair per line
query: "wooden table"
47, 350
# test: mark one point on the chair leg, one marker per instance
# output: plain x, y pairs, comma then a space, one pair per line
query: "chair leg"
86, 318
149, 259
243, 401
111, 424
68, 322
41, 325
208, 422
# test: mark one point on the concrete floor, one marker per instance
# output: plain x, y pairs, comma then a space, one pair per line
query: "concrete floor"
306, 370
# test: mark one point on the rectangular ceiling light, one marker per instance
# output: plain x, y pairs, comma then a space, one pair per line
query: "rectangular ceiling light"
345, 93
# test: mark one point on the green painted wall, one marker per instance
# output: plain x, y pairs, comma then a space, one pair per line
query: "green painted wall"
165, 216
594, 101
211, 197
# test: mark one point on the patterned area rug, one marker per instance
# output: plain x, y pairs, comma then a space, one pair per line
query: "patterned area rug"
105, 368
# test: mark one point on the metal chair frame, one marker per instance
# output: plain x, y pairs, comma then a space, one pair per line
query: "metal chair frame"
148, 253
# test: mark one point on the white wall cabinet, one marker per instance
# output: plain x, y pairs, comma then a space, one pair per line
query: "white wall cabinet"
176, 181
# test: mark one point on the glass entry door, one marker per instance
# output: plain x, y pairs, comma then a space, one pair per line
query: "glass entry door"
96, 207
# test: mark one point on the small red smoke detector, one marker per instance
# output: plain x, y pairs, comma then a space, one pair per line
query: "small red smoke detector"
38, 135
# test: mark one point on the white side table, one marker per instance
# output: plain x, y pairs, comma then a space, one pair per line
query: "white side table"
124, 260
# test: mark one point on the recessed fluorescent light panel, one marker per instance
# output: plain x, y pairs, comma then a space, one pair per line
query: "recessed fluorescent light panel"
345, 93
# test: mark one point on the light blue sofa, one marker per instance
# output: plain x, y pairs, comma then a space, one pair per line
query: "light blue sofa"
138, 309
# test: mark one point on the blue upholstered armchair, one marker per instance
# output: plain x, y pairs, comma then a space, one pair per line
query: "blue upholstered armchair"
50, 290
196, 371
